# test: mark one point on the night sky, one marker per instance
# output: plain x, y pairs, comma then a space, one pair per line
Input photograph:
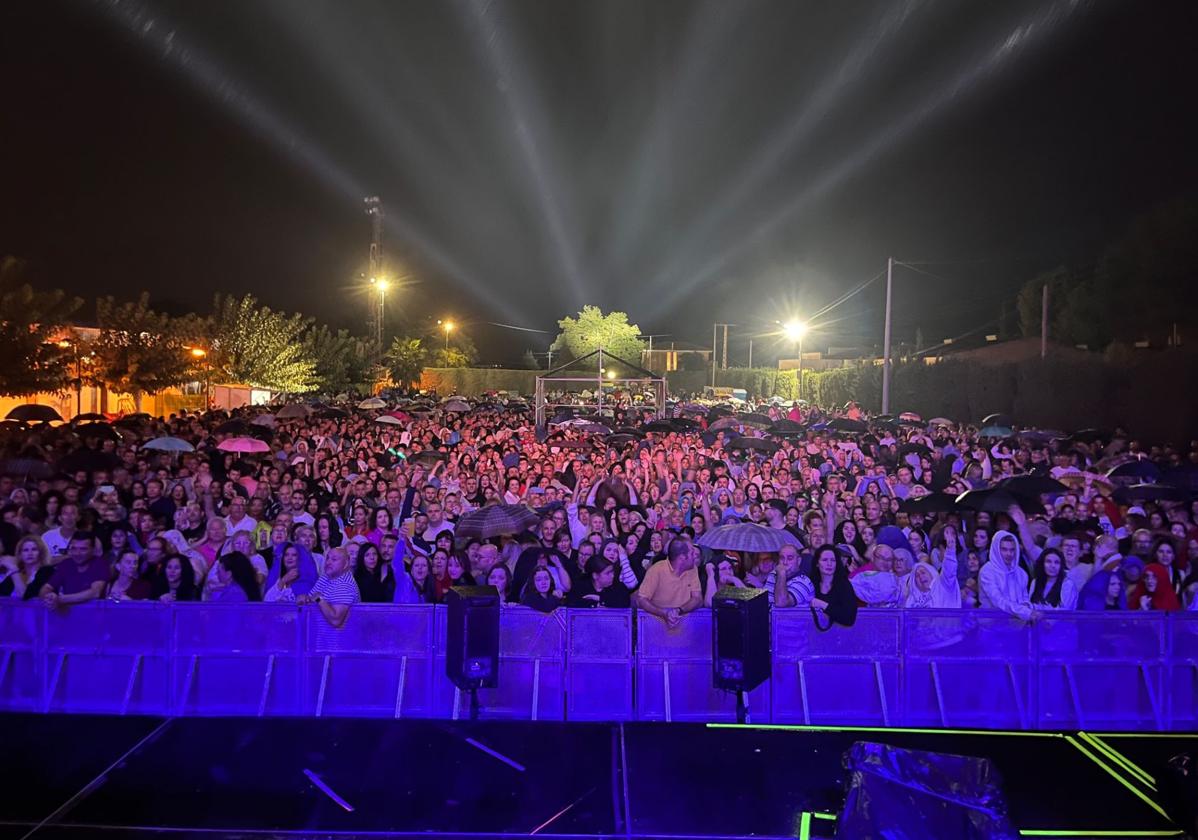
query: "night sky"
731, 160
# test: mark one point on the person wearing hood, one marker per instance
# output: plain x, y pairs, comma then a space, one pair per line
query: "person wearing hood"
305, 571
1103, 591
875, 583
926, 587
1154, 592
1002, 582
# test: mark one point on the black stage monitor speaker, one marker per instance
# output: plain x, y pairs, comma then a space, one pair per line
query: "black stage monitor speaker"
740, 638
472, 640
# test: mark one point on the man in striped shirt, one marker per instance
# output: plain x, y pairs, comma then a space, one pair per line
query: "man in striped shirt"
333, 593
786, 586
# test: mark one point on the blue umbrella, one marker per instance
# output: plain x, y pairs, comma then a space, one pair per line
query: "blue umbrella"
1135, 469
995, 431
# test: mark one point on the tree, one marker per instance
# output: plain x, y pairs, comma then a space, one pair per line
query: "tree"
454, 357
592, 330
260, 347
30, 359
405, 360
140, 351
342, 361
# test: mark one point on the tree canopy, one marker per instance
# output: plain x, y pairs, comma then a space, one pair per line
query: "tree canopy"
142, 351
30, 322
405, 360
593, 329
258, 346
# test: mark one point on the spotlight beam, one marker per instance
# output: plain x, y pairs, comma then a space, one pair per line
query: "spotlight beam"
485, 29
762, 164
1018, 40
157, 34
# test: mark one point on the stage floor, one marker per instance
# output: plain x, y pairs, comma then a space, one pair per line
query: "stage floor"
80, 776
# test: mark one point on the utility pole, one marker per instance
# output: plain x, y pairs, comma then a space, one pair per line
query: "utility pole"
750, 352
1044, 323
374, 209
715, 347
714, 329
886, 339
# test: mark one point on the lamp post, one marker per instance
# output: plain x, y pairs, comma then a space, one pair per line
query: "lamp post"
447, 326
74, 345
200, 353
380, 284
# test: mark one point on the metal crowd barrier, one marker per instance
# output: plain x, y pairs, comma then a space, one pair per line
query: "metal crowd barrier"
954, 668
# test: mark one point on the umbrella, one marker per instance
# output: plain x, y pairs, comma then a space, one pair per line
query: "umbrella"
929, 503
26, 468
747, 537
389, 420
88, 460
620, 441
996, 500
97, 430
1087, 436
757, 421
457, 406
998, 419
786, 427
629, 431
759, 444
941, 421
332, 413
593, 428
846, 424
1150, 493
89, 417
293, 411
233, 427
371, 403
267, 420
1077, 480
1135, 469
912, 417
693, 408
1032, 486
660, 426
717, 411
427, 458
242, 444
495, 521
918, 448
34, 414
168, 444
995, 431
724, 423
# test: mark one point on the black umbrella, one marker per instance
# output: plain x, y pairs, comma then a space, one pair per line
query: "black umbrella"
88, 460
998, 419
685, 424
660, 426
34, 414
621, 441
495, 521
1087, 436
846, 424
427, 458
628, 431
929, 504
757, 421
758, 444
233, 427
89, 417
1150, 493
97, 430
1032, 486
1040, 436
570, 444
917, 448
332, 413
786, 427
718, 411
1139, 468
996, 500
130, 421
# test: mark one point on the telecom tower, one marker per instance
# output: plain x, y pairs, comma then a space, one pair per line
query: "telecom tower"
378, 284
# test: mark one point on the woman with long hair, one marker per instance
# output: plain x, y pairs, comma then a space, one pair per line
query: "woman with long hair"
281, 589
328, 533
601, 588
375, 583
238, 581
25, 573
175, 582
1153, 592
539, 593
835, 602
1051, 587
127, 586
501, 578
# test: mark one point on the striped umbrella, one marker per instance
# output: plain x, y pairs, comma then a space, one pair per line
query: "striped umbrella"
748, 537
495, 521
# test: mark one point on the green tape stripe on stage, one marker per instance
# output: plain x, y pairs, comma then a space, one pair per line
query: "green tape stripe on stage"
1118, 757
898, 730
1114, 774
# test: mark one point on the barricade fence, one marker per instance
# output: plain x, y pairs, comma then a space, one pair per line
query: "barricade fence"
949, 668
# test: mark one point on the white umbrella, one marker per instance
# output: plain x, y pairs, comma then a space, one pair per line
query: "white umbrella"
389, 420
371, 403
264, 420
456, 405
169, 444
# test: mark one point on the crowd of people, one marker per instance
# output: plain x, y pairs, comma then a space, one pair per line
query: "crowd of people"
332, 506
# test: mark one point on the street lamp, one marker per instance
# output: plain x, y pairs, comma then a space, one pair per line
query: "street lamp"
64, 344
795, 330
381, 284
200, 353
447, 325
